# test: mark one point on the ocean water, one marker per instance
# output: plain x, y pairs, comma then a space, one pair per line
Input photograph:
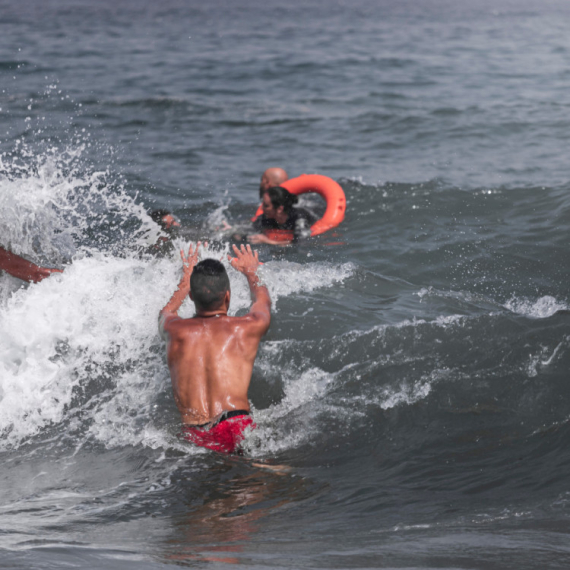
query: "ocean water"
414, 381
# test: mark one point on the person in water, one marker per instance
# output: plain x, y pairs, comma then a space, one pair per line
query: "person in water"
165, 220
279, 214
211, 355
170, 227
273, 176
22, 268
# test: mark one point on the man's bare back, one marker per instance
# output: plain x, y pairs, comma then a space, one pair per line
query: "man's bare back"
211, 355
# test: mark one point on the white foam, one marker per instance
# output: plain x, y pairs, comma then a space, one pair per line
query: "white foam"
284, 278
411, 392
49, 201
273, 435
28, 203
541, 308
217, 221
545, 357
64, 332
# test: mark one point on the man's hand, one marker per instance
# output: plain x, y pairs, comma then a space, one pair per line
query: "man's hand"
170, 310
43, 272
189, 261
246, 260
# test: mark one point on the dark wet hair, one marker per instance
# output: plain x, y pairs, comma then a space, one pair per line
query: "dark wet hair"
280, 196
157, 216
209, 283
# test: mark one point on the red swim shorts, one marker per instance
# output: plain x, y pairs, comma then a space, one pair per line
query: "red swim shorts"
224, 436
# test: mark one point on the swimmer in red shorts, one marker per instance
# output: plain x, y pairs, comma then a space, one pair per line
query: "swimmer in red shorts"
211, 355
224, 435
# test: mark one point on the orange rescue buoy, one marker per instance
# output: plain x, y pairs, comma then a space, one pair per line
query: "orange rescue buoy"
325, 187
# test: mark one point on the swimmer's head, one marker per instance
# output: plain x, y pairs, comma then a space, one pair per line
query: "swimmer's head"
209, 285
271, 177
278, 200
164, 219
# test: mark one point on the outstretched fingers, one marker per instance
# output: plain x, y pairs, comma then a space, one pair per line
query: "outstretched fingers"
236, 253
192, 258
245, 260
241, 251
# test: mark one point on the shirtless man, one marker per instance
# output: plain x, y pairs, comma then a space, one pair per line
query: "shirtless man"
271, 177
211, 355
22, 268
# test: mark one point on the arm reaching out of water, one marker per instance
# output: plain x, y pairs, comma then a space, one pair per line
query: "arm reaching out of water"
22, 268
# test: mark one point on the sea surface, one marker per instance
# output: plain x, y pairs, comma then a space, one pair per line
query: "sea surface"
414, 387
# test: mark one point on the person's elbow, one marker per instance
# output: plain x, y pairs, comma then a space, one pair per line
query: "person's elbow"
261, 320
165, 320
265, 321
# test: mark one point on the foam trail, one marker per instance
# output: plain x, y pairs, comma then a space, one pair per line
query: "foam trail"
288, 278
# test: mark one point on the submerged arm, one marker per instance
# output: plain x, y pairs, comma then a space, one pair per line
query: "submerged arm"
262, 238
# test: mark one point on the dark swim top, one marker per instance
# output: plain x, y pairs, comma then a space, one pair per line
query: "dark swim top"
299, 222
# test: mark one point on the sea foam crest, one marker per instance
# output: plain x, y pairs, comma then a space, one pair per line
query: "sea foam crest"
52, 206
284, 278
541, 308
58, 336
291, 422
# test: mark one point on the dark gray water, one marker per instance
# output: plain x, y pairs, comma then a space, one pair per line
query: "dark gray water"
415, 375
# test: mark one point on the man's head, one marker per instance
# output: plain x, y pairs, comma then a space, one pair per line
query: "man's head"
209, 285
271, 177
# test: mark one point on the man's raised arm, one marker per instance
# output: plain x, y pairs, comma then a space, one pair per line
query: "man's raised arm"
170, 310
246, 261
